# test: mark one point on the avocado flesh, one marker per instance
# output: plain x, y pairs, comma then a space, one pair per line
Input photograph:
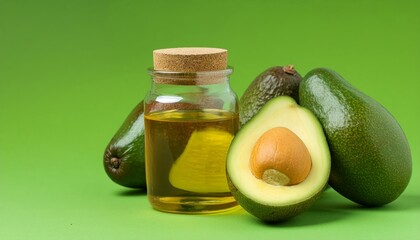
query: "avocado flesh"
273, 82
124, 156
276, 203
370, 155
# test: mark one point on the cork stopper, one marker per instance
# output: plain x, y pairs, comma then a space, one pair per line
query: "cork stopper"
190, 59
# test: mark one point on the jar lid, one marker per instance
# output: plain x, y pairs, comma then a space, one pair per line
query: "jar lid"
190, 59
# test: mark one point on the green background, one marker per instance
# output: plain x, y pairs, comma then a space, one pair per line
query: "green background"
70, 72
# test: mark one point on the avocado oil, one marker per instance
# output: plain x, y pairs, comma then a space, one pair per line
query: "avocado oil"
186, 159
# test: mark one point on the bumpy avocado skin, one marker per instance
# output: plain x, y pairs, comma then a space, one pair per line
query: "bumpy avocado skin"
370, 156
124, 159
273, 82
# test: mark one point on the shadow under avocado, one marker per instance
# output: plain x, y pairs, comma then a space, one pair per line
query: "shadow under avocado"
329, 208
132, 192
333, 207
406, 202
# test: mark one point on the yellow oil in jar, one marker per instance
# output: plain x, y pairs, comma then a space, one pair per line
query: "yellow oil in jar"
186, 160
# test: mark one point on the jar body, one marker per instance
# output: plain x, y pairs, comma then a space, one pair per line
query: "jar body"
190, 120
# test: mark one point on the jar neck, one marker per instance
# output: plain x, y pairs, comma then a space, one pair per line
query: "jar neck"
209, 90
190, 78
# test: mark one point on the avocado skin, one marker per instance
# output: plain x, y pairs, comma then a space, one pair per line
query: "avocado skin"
272, 214
273, 82
127, 147
370, 155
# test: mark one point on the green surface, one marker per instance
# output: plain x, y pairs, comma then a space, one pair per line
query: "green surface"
70, 72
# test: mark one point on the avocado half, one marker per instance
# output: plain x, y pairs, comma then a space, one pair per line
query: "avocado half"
268, 202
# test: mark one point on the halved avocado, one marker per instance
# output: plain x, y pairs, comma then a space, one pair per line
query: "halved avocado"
285, 131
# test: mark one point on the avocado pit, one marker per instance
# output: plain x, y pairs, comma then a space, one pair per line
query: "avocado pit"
280, 158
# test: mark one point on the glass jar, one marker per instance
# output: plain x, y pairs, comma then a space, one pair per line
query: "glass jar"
190, 120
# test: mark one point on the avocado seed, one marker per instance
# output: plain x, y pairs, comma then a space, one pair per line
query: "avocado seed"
280, 157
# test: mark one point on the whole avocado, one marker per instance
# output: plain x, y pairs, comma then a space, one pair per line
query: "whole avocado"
124, 159
370, 155
273, 82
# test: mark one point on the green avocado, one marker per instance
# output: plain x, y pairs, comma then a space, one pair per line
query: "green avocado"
273, 82
278, 164
124, 156
370, 155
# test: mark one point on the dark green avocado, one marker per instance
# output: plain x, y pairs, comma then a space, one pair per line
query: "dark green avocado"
370, 156
124, 156
273, 82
